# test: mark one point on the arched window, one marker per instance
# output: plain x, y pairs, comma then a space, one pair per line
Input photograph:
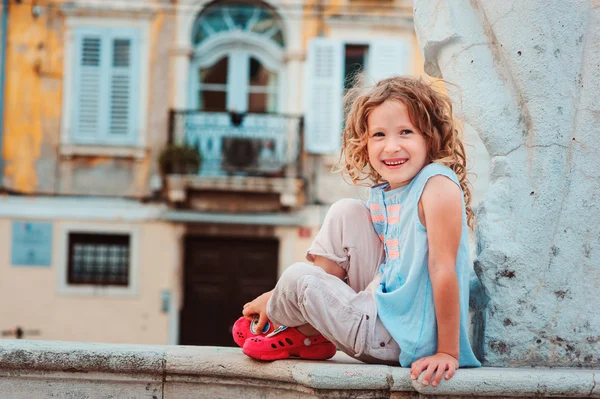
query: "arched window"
237, 58
227, 17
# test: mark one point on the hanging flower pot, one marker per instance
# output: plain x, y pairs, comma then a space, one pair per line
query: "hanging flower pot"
179, 159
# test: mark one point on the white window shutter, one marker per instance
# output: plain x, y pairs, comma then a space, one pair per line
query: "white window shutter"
324, 75
387, 58
87, 123
123, 67
106, 84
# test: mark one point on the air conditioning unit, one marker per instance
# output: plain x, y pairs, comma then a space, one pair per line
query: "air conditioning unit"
249, 155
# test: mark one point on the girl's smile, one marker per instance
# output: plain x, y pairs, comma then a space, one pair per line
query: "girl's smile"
394, 163
396, 149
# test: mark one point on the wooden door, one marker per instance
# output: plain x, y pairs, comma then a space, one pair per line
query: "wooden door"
220, 276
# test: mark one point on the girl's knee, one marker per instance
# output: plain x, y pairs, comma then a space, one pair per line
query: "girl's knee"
349, 211
297, 272
346, 207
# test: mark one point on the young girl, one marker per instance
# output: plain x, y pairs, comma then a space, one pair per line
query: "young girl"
392, 277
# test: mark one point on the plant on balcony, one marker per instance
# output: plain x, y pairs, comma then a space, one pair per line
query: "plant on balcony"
179, 159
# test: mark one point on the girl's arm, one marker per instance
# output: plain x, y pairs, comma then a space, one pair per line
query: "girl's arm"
440, 211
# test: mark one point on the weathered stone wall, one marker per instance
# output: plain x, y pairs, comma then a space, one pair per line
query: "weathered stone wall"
35, 159
527, 76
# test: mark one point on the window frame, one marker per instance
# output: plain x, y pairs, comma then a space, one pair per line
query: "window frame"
315, 140
62, 272
366, 67
239, 48
237, 93
94, 238
139, 138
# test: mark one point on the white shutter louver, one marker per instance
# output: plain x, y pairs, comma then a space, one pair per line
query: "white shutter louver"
120, 88
387, 58
88, 86
323, 99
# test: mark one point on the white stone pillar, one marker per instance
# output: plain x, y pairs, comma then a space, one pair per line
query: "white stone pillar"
528, 76
181, 65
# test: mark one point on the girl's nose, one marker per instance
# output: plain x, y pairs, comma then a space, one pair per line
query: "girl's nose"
392, 146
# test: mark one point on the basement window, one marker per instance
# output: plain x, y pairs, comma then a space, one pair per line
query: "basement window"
98, 259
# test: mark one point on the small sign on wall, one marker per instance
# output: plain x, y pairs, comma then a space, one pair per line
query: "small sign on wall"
165, 296
31, 244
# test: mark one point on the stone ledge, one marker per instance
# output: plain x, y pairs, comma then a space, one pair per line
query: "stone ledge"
179, 371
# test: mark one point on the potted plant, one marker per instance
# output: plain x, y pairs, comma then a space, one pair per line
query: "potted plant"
179, 159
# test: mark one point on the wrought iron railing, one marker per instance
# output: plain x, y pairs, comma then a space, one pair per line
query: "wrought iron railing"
240, 144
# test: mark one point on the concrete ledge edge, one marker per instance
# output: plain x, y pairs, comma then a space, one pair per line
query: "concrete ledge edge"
172, 363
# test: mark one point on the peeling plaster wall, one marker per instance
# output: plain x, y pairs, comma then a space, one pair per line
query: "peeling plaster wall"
529, 78
33, 99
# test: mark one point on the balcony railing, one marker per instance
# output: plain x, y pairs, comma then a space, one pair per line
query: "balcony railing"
240, 144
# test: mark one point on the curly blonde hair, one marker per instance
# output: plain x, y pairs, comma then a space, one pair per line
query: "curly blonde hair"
430, 112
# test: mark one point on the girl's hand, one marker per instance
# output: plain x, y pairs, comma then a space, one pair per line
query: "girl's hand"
435, 364
259, 307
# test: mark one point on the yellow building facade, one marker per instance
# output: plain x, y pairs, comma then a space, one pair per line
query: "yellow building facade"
94, 93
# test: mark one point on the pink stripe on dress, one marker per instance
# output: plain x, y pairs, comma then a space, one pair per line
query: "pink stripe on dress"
392, 243
393, 209
394, 254
393, 219
377, 218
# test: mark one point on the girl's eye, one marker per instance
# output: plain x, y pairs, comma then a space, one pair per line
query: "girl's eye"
405, 131
378, 134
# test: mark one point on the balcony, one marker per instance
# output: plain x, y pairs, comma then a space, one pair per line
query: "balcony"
255, 155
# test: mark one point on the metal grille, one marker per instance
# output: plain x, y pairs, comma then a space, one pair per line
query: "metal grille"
271, 142
99, 259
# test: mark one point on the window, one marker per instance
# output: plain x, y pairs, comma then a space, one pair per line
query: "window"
355, 59
255, 91
106, 85
212, 92
98, 259
355, 63
106, 67
262, 89
231, 17
331, 65
237, 59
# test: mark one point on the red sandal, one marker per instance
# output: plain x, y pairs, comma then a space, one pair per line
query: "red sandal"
286, 342
243, 328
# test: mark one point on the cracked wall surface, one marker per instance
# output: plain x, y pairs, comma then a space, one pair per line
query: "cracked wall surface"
527, 76
35, 158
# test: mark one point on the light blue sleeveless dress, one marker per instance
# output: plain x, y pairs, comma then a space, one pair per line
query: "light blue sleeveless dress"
404, 297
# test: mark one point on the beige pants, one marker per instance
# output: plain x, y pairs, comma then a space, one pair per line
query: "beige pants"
345, 313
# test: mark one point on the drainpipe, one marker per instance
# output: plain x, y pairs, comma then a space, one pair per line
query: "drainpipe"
3, 35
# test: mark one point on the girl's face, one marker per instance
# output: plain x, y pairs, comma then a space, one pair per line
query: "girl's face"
396, 149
